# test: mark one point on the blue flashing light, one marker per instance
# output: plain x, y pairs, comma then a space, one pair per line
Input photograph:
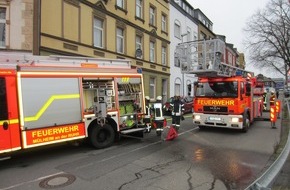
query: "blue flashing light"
239, 73
139, 70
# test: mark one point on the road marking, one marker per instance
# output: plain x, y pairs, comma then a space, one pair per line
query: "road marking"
103, 160
134, 150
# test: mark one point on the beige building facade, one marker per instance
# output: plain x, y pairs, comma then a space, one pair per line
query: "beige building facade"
137, 30
16, 26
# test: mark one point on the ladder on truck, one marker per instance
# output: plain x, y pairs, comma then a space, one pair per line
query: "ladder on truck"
205, 58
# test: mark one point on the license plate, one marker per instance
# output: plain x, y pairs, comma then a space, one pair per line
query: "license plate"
214, 118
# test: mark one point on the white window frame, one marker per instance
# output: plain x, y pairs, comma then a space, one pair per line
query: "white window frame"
121, 4
139, 9
176, 60
120, 40
152, 15
152, 87
4, 29
163, 55
163, 23
177, 29
177, 89
98, 30
139, 44
152, 52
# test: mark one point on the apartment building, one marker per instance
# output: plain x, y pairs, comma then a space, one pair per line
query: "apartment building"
16, 26
184, 28
205, 26
137, 30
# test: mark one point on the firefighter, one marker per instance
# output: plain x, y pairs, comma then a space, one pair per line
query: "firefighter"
272, 98
147, 116
158, 115
177, 111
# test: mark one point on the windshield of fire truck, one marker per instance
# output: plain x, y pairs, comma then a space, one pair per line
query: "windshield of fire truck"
217, 89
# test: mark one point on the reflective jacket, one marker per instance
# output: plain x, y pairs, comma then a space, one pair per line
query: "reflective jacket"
272, 99
177, 107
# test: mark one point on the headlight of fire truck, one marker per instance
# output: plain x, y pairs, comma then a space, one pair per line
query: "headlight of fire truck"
235, 119
196, 117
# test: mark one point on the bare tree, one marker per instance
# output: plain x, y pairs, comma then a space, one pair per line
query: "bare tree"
268, 37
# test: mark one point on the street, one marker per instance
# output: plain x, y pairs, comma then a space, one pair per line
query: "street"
197, 159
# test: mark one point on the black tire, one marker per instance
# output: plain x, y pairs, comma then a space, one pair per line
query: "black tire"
246, 124
102, 136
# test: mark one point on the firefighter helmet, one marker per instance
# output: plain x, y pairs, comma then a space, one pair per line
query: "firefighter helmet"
159, 98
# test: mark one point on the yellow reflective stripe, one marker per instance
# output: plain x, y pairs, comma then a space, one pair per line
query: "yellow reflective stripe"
42, 110
47, 104
11, 121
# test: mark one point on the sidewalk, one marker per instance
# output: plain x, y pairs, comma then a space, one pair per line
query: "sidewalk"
282, 182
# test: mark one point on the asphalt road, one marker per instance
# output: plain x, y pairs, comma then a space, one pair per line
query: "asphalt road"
197, 159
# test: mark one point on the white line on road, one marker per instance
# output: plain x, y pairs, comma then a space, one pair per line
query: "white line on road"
134, 150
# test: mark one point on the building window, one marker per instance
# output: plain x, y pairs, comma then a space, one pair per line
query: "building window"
121, 4
152, 52
139, 46
188, 35
202, 36
120, 40
163, 56
163, 23
152, 16
152, 87
139, 8
177, 32
176, 60
98, 33
177, 89
2, 27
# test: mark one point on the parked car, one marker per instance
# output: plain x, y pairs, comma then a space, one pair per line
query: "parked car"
188, 104
286, 93
187, 101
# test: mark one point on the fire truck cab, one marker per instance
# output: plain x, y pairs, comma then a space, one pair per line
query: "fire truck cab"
45, 100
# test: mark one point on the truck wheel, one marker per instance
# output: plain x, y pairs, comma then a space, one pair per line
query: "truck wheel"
246, 124
102, 136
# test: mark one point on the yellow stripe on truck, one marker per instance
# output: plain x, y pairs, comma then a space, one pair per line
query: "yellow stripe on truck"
44, 107
47, 104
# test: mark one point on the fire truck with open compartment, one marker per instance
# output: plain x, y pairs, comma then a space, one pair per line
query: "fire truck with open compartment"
224, 94
52, 99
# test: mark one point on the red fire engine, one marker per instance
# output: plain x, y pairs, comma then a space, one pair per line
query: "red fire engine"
224, 94
45, 100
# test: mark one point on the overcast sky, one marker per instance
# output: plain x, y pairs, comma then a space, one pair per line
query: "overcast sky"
229, 17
